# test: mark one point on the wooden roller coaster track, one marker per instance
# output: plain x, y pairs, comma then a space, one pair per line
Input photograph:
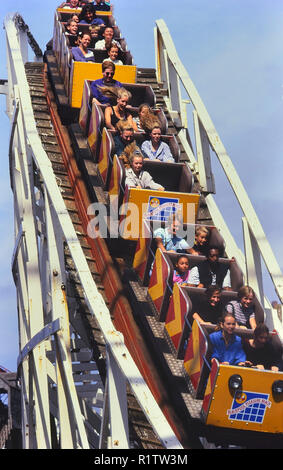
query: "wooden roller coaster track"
72, 356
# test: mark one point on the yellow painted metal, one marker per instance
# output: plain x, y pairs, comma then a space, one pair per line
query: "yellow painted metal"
142, 199
78, 10
82, 71
175, 325
69, 10
256, 383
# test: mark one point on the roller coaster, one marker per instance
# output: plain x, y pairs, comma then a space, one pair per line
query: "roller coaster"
110, 357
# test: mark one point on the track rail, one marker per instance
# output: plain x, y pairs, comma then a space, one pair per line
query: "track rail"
98, 302
122, 316
44, 197
74, 196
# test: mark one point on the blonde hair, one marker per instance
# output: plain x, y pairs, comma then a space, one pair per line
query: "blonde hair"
149, 120
124, 126
201, 229
114, 92
94, 28
129, 153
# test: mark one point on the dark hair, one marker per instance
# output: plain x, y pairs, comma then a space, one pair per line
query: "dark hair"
70, 20
224, 315
211, 289
143, 105
182, 255
85, 9
260, 329
213, 247
112, 44
107, 27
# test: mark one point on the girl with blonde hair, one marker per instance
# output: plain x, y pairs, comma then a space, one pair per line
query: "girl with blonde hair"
118, 112
136, 177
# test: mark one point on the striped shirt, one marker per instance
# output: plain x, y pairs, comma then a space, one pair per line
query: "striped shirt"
241, 313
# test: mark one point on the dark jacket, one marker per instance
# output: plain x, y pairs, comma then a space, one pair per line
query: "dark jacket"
205, 276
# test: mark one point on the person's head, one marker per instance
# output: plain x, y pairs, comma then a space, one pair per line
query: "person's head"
260, 334
94, 31
150, 122
174, 223
228, 323
123, 97
72, 26
213, 254
74, 3
127, 135
113, 51
143, 110
87, 13
136, 162
213, 294
84, 40
108, 34
108, 71
201, 235
155, 135
126, 131
75, 18
246, 296
182, 264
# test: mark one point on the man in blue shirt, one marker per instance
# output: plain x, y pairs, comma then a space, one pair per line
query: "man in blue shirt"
108, 71
227, 347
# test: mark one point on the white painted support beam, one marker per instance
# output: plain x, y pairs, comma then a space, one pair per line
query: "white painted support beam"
231, 246
41, 336
253, 262
205, 175
70, 417
118, 409
164, 41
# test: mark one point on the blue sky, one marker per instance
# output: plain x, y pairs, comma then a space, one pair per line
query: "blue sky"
233, 51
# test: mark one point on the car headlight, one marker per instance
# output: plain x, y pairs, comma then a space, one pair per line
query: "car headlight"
277, 387
235, 382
